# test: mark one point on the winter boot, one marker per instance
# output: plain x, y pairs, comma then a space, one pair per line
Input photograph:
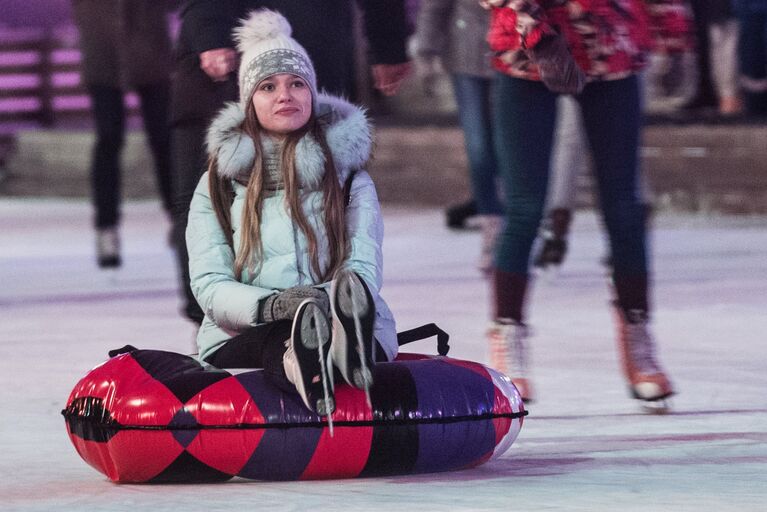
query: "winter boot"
306, 359
108, 247
647, 381
491, 226
554, 230
353, 312
509, 354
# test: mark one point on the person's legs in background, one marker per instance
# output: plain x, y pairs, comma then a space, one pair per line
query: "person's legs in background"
473, 96
524, 119
569, 161
188, 161
155, 104
195, 99
752, 56
723, 34
109, 118
612, 118
704, 95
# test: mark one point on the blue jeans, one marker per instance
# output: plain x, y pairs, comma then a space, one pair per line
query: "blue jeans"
473, 96
525, 116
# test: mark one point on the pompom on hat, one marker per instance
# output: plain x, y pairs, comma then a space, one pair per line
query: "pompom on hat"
263, 39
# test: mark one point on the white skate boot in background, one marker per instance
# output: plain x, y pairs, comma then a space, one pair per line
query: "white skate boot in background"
108, 247
509, 354
647, 380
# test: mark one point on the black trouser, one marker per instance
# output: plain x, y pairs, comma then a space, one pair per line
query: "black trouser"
701, 19
263, 346
195, 101
188, 167
109, 118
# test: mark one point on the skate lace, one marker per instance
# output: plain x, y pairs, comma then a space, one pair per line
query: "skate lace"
508, 349
641, 347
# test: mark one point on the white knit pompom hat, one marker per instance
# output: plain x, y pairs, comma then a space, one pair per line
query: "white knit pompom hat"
263, 39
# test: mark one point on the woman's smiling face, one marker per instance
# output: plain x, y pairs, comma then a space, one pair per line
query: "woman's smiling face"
283, 103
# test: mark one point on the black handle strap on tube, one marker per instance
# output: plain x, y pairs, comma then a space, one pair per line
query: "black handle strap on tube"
124, 350
423, 332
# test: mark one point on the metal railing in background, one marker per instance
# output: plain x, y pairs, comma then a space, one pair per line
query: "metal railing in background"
40, 77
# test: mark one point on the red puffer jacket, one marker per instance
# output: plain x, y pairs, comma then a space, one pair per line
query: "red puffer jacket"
609, 39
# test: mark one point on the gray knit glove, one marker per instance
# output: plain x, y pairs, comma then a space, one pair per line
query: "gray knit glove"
283, 305
559, 72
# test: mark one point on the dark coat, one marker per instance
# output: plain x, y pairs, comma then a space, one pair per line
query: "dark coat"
324, 27
719, 10
123, 43
456, 31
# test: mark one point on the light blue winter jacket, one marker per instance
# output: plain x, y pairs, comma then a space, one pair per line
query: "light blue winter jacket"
231, 302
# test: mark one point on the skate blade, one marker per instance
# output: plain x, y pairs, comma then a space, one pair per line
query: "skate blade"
327, 405
548, 273
355, 310
657, 407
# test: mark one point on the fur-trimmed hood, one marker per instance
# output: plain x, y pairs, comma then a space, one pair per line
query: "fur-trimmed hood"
348, 135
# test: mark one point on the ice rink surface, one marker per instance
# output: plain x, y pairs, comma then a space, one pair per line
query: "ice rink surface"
585, 445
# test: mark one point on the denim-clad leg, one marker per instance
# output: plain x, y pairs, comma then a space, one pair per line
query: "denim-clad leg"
612, 119
525, 119
525, 115
473, 96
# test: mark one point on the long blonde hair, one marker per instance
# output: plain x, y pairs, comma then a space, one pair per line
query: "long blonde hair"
249, 254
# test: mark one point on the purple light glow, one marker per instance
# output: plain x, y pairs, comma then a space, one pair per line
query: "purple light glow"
67, 56
19, 81
63, 103
26, 58
68, 79
19, 105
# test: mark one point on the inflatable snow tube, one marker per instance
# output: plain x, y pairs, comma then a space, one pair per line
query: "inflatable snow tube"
155, 416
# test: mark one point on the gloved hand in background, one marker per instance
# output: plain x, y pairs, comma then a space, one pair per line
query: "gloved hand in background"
558, 69
283, 305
